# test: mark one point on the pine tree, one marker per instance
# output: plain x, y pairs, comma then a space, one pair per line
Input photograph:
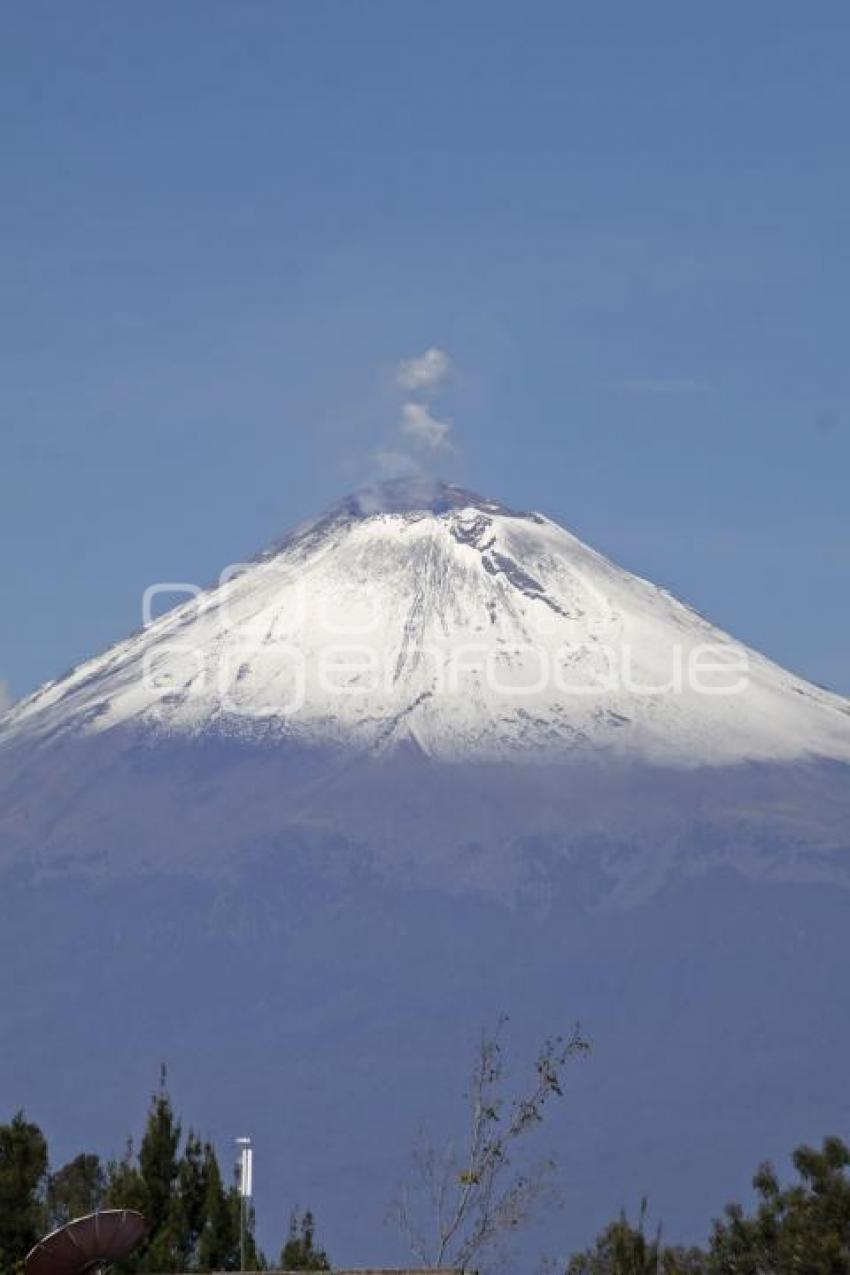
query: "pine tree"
299, 1252
159, 1167
193, 1217
125, 1188
623, 1249
254, 1257
192, 1176
158, 1158
218, 1243
148, 1182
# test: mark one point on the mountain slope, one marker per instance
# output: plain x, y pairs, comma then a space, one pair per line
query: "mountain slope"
419, 764
455, 625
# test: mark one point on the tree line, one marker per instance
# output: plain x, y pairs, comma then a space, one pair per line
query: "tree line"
193, 1213
467, 1200
464, 1199
802, 1228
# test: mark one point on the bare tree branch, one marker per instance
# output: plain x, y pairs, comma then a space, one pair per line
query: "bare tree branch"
460, 1203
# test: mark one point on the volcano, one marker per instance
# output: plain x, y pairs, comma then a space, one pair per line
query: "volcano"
427, 759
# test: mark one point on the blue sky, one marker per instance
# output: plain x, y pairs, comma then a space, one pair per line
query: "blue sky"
222, 225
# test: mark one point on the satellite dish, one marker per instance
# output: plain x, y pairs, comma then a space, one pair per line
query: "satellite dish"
88, 1244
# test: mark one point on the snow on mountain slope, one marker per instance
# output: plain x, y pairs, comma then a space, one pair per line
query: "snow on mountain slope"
452, 624
287, 824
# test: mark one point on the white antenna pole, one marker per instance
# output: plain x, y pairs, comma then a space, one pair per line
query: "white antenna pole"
246, 1191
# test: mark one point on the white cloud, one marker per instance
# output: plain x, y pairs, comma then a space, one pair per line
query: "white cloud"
420, 436
425, 373
664, 385
423, 429
6, 700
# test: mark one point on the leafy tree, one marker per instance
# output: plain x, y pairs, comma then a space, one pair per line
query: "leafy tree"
23, 1170
299, 1253
800, 1228
79, 1187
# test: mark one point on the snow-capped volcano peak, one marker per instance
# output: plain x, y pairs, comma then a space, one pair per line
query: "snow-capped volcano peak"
422, 615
